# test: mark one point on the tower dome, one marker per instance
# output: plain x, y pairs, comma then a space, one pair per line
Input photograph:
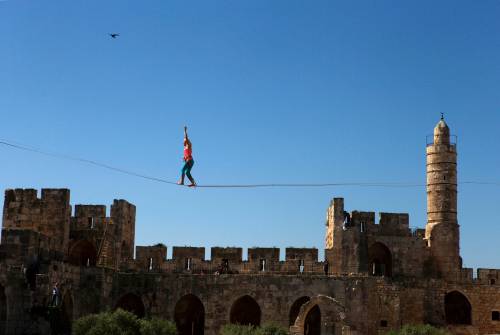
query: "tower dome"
441, 132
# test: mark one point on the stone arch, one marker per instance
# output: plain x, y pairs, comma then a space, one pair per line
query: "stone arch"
312, 324
295, 309
457, 309
332, 318
3, 310
83, 253
380, 260
245, 311
131, 302
189, 316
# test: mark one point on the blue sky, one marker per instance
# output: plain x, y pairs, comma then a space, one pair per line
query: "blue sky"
272, 91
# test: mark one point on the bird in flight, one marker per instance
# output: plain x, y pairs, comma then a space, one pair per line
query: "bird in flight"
114, 35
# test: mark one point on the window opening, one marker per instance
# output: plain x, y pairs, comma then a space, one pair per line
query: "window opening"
301, 266
362, 226
187, 264
91, 222
495, 316
383, 323
150, 264
492, 281
262, 265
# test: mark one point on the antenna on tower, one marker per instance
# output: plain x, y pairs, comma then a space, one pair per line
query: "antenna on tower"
442, 116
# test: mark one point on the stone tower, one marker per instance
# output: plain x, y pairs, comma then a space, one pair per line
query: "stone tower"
442, 230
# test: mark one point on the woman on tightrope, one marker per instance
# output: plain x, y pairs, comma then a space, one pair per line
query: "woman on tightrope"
188, 160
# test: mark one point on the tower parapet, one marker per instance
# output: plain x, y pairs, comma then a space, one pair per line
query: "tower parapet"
442, 229
48, 215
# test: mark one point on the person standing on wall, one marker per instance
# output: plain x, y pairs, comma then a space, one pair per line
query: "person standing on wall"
188, 161
55, 295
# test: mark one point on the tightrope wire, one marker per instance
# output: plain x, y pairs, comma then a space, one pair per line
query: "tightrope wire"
24, 147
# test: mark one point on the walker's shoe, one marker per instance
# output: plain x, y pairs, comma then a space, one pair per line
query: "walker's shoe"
180, 182
193, 184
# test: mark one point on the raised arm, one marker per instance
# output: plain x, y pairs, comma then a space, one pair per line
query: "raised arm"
186, 138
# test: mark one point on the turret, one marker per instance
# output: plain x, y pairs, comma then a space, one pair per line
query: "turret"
334, 235
442, 230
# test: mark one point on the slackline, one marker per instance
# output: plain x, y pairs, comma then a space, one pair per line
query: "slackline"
24, 147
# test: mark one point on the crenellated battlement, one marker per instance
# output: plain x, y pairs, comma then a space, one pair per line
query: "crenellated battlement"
89, 217
226, 260
488, 276
388, 224
48, 215
358, 243
87, 237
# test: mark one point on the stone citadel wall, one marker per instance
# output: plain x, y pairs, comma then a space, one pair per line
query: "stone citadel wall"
364, 301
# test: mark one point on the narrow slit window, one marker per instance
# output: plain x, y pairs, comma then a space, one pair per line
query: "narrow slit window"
225, 265
150, 264
262, 265
362, 226
91, 222
187, 264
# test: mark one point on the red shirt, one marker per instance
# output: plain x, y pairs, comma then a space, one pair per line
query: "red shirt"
188, 153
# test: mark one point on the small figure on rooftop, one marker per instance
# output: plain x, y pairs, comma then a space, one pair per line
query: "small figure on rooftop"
347, 219
55, 295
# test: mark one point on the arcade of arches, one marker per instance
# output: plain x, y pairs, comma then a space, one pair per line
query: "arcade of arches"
131, 303
457, 308
380, 260
83, 253
189, 316
245, 311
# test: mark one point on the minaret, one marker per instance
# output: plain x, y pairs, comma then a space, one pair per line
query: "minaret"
442, 230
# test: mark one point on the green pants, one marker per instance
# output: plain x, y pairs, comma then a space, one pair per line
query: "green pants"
186, 170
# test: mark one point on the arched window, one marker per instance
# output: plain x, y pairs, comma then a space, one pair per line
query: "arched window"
3, 310
83, 253
457, 309
245, 311
189, 316
312, 325
295, 309
132, 303
380, 260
